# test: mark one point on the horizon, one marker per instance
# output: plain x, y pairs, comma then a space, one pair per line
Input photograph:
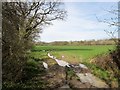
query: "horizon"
78, 40
81, 23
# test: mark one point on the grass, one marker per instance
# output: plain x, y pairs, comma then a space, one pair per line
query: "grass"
98, 71
73, 54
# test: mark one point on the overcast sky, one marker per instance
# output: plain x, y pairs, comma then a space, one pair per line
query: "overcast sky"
81, 23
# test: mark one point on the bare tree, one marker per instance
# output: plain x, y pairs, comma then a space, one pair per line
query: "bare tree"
22, 22
112, 22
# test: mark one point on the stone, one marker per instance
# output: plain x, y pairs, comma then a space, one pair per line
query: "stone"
93, 80
83, 66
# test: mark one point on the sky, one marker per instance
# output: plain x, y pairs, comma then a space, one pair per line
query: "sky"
81, 22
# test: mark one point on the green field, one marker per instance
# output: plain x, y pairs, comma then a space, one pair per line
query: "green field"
72, 54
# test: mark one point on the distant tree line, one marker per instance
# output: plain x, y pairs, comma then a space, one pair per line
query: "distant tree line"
90, 42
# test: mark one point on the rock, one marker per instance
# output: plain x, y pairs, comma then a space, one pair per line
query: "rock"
78, 69
94, 81
83, 66
45, 65
77, 84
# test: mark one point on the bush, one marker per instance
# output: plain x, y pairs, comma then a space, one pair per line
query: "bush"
31, 70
